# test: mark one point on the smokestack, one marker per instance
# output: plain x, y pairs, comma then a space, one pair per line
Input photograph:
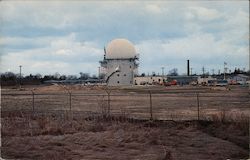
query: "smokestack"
188, 69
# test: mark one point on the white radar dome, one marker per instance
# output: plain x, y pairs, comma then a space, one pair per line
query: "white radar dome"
120, 49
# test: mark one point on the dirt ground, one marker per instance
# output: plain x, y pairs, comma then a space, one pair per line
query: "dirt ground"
52, 131
53, 137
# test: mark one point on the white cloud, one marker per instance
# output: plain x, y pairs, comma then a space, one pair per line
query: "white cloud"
38, 13
201, 49
203, 14
69, 36
63, 55
63, 52
153, 8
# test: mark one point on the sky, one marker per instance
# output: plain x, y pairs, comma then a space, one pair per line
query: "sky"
68, 37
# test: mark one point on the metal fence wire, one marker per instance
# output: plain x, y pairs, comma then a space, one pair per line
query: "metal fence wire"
150, 105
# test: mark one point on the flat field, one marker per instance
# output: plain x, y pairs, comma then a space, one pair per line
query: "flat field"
90, 122
166, 103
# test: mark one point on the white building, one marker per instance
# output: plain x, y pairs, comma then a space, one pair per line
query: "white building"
149, 80
119, 63
240, 79
206, 80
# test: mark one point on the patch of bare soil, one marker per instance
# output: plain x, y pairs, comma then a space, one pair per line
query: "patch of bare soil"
63, 137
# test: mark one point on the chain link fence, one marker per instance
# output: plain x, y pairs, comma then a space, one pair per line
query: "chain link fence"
146, 105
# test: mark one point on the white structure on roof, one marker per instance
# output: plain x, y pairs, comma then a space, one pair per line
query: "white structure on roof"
120, 49
119, 63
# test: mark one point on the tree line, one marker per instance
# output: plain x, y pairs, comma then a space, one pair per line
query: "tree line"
10, 78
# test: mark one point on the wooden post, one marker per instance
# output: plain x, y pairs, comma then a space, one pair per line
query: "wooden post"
108, 103
198, 106
33, 101
108, 93
151, 108
70, 101
249, 132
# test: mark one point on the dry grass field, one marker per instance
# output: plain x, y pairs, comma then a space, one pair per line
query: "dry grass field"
171, 103
83, 130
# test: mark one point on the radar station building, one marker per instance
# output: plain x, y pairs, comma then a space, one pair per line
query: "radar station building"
119, 63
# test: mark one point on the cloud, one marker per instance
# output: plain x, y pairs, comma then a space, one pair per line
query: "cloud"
69, 37
200, 49
63, 55
153, 8
203, 14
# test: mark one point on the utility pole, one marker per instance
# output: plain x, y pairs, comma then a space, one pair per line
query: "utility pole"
225, 68
162, 68
20, 76
203, 70
99, 70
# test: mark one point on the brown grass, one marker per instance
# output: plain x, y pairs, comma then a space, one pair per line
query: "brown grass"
67, 136
233, 127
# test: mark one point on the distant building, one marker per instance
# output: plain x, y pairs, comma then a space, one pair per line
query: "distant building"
119, 63
240, 79
179, 80
149, 80
206, 80
183, 79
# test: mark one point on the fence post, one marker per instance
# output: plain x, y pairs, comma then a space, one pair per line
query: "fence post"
108, 92
108, 103
198, 106
33, 101
151, 108
70, 101
69, 97
249, 131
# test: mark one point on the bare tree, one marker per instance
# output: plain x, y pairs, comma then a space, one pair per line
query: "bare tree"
84, 76
173, 72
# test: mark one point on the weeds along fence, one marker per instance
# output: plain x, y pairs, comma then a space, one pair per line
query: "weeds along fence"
149, 105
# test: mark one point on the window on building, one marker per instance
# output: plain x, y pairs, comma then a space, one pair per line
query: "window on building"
118, 82
118, 75
130, 66
125, 75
